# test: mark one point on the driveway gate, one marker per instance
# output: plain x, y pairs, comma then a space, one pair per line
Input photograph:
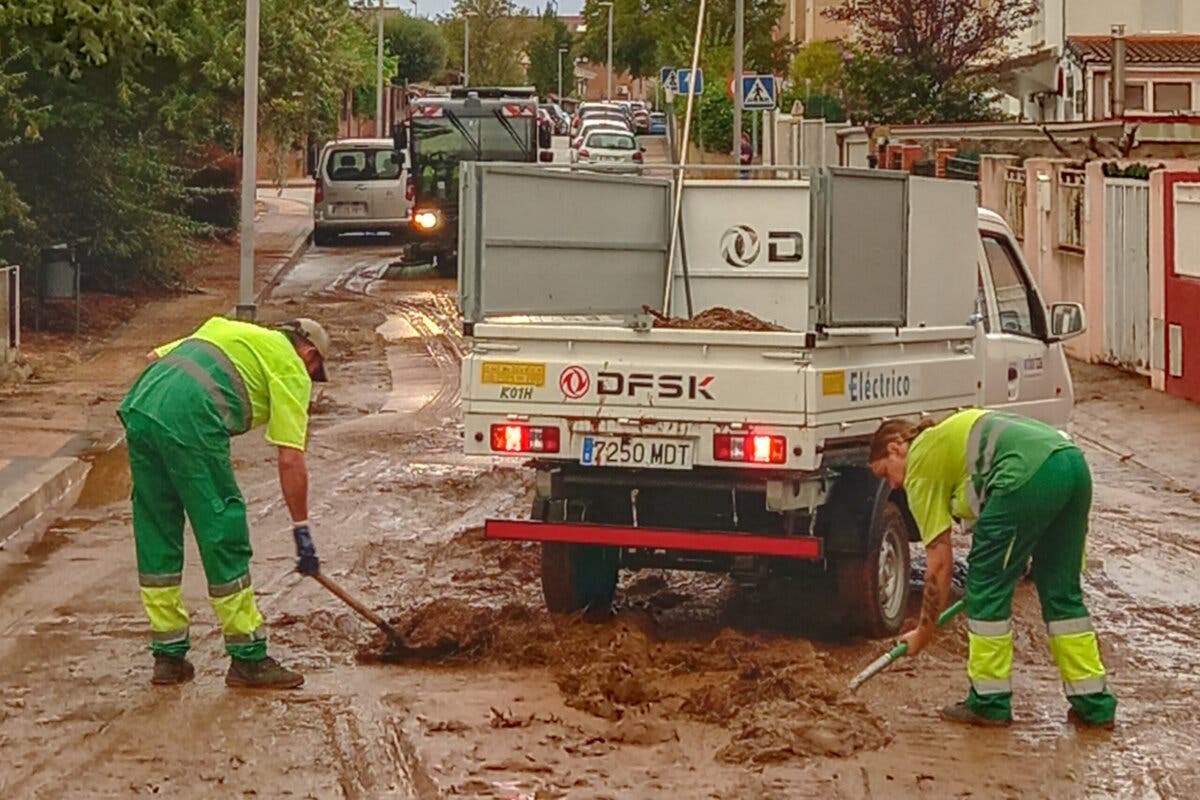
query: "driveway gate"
1127, 274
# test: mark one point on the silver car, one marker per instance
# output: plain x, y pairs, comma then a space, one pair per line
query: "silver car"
612, 149
361, 185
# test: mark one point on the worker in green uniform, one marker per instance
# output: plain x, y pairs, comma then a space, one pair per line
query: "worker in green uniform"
1027, 488
223, 380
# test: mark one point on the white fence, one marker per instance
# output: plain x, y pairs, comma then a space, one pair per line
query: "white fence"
10, 313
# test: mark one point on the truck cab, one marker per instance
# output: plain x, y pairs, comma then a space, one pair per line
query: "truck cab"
737, 450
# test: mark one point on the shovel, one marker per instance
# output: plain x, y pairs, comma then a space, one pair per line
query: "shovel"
896, 653
397, 649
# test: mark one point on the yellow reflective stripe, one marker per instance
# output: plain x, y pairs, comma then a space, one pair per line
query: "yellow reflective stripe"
238, 613
988, 627
162, 579
1064, 627
226, 589
989, 663
164, 607
1077, 656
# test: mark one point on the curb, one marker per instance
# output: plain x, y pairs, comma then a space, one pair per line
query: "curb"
283, 267
47, 488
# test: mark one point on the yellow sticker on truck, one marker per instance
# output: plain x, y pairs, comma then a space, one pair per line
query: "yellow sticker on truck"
513, 373
833, 383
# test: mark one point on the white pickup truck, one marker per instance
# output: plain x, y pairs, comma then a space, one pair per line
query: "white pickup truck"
732, 450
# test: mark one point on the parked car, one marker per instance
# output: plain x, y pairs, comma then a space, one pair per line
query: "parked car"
545, 122
360, 186
658, 123
612, 149
595, 125
562, 120
641, 120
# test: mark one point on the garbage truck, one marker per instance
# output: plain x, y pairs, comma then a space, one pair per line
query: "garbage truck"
660, 444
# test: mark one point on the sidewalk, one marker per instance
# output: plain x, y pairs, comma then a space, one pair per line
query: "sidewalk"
51, 427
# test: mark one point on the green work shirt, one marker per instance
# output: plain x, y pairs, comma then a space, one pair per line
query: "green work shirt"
956, 465
276, 379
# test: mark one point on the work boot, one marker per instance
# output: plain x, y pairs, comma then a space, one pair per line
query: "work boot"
1076, 719
171, 670
265, 674
960, 713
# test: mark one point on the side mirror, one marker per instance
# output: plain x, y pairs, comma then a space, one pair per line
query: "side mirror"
545, 140
546, 157
399, 137
1067, 320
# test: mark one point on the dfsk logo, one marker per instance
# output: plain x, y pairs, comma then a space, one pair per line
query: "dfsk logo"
574, 382
740, 247
664, 387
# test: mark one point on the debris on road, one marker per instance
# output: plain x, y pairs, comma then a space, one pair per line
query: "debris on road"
714, 319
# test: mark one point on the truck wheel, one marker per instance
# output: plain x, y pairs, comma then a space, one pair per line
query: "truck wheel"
873, 590
576, 576
447, 264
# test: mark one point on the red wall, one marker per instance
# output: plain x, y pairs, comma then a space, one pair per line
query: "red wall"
1182, 301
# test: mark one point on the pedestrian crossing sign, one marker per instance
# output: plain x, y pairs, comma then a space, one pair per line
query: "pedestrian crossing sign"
669, 79
758, 91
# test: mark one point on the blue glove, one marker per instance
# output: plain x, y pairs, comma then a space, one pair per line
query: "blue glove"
307, 562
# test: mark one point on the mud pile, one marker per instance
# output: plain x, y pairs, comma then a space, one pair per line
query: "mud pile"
776, 695
715, 319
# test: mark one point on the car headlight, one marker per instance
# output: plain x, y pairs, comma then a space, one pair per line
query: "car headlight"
426, 220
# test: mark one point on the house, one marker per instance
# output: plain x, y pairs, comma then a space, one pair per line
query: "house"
1162, 76
1041, 77
804, 21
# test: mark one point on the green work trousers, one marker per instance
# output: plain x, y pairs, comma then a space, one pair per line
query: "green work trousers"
1046, 519
173, 476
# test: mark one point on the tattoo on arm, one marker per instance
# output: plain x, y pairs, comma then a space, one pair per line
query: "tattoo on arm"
939, 567
931, 602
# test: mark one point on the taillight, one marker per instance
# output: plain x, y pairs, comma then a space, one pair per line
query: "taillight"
578, 143
410, 188
319, 192
637, 156
751, 447
584, 154
524, 439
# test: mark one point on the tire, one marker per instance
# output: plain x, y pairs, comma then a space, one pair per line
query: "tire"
872, 591
324, 238
447, 265
576, 577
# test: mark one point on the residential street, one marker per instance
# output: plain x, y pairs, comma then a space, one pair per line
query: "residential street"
685, 690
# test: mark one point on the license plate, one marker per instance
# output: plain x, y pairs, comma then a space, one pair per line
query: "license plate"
350, 209
636, 451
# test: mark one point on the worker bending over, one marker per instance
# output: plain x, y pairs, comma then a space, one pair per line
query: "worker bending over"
223, 380
1027, 488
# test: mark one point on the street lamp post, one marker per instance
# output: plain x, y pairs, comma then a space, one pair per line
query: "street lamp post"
245, 306
608, 93
467, 47
561, 52
379, 76
414, 5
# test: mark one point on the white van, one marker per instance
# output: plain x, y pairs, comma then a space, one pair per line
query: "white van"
361, 186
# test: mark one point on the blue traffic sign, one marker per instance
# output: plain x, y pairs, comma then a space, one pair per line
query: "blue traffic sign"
665, 74
668, 79
758, 91
689, 86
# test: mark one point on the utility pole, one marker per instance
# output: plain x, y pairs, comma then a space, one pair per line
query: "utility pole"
739, 46
561, 52
245, 307
608, 92
467, 47
379, 77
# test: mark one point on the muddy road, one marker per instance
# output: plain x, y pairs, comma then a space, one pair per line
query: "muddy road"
683, 691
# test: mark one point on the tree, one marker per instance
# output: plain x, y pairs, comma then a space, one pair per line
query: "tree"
417, 44
924, 60
818, 67
551, 35
763, 52
497, 41
635, 36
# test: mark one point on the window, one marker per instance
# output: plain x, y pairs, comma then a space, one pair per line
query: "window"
611, 141
1171, 97
363, 165
1135, 97
1019, 312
